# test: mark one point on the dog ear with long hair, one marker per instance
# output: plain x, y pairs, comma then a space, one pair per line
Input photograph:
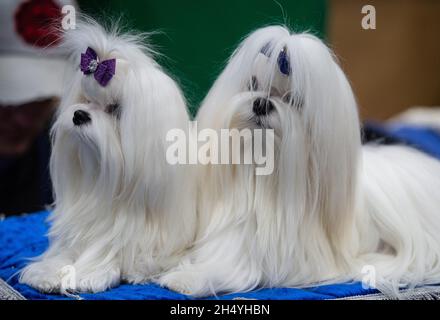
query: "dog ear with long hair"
121, 213
329, 208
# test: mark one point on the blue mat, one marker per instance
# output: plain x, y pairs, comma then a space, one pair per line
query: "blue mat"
422, 138
23, 237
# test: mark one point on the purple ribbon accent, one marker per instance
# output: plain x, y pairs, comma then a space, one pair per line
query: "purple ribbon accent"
102, 71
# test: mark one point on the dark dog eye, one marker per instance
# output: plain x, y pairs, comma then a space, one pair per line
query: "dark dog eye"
253, 84
297, 102
114, 109
287, 98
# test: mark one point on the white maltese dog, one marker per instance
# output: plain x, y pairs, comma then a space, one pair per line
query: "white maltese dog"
121, 212
332, 210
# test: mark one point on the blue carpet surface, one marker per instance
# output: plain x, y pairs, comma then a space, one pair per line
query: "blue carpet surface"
23, 237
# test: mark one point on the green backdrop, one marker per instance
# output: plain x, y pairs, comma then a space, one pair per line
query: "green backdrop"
198, 36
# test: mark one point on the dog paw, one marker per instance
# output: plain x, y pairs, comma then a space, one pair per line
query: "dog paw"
141, 271
41, 276
95, 281
136, 277
184, 282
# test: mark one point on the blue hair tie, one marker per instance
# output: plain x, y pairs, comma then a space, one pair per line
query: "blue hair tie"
283, 63
283, 59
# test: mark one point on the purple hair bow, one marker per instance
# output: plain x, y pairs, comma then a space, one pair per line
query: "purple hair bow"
102, 71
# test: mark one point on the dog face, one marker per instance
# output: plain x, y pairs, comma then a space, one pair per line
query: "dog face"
92, 116
265, 96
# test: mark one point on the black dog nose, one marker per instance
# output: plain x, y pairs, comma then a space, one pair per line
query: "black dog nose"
262, 106
81, 117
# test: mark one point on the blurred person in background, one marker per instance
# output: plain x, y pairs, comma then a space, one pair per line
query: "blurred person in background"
31, 76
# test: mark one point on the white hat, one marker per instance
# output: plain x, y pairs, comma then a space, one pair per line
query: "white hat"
31, 63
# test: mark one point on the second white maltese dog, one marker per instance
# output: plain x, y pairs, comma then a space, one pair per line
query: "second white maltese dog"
332, 210
121, 212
